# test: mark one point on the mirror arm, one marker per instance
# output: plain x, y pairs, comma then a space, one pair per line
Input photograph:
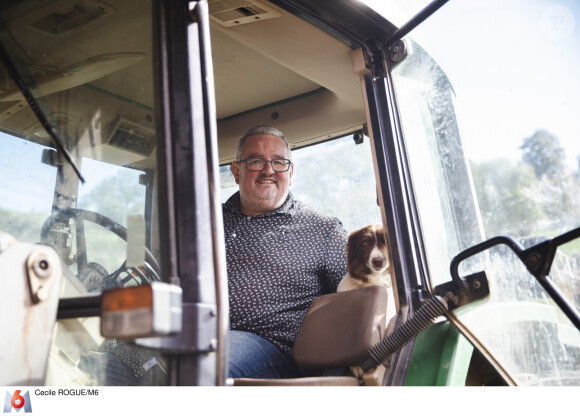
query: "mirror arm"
537, 259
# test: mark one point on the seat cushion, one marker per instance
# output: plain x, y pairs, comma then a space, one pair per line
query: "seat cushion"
340, 328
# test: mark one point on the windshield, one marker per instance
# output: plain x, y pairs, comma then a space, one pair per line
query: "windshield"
76, 92
488, 98
100, 116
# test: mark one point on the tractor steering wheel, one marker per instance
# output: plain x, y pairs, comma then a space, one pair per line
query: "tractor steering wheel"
88, 273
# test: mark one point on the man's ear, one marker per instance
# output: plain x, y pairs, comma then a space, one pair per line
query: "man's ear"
291, 172
235, 171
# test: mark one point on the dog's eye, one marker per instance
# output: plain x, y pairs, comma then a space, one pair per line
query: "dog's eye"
366, 242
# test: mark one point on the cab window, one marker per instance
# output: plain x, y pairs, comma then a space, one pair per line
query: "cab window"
493, 151
336, 177
97, 207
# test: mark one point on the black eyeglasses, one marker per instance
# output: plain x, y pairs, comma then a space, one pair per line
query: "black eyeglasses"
278, 165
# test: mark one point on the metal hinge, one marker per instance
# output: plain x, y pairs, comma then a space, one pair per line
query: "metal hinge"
463, 290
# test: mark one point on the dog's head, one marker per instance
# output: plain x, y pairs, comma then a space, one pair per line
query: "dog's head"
367, 252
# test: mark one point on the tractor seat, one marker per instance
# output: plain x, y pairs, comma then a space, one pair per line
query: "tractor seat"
336, 334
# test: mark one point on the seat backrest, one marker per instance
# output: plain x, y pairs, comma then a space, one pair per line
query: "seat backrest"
340, 328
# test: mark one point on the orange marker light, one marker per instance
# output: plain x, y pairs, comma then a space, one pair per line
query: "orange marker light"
141, 311
127, 298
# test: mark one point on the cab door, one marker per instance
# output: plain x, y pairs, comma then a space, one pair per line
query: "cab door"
108, 164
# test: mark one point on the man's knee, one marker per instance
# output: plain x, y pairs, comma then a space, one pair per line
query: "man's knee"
255, 357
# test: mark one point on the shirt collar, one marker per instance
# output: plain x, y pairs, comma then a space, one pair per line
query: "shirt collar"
288, 207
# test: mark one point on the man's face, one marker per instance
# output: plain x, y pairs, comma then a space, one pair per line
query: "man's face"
265, 190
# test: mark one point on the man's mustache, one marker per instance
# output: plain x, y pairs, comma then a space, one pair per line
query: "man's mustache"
264, 176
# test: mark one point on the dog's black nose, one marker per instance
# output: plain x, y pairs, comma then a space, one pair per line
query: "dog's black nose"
377, 262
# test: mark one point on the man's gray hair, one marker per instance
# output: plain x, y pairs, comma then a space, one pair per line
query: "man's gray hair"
261, 129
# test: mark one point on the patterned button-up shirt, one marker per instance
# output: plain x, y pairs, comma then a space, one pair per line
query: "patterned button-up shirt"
277, 264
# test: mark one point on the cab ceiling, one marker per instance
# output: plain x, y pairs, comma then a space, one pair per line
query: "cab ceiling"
284, 72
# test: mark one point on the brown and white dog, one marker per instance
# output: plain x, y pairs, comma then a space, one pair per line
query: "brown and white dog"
368, 262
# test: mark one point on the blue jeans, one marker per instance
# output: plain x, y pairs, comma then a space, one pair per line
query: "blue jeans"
251, 356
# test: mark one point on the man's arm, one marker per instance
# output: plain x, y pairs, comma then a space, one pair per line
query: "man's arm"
335, 261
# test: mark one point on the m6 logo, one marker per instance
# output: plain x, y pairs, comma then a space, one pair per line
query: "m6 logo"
17, 402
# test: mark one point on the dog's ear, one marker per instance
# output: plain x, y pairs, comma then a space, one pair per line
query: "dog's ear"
381, 237
385, 238
351, 246
354, 253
